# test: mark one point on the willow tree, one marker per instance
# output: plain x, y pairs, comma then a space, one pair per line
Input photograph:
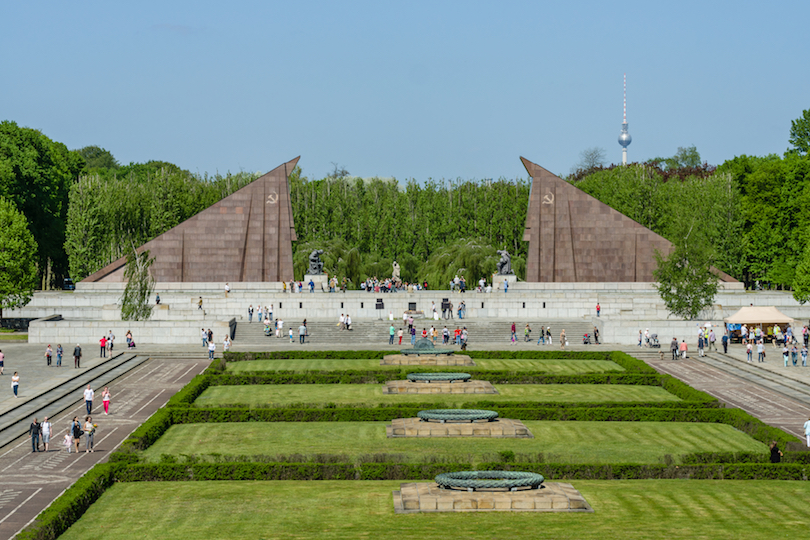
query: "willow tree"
135, 304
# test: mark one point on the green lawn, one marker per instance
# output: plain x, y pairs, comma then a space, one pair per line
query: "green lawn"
556, 367
560, 442
371, 394
641, 509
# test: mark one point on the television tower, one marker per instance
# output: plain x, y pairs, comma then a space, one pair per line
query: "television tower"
624, 138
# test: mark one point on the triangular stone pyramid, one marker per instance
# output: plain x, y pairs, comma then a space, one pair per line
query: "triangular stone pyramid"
247, 236
573, 237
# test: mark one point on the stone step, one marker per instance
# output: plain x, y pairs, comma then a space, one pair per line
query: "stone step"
378, 331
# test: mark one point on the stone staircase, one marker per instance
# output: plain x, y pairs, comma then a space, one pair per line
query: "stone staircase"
323, 332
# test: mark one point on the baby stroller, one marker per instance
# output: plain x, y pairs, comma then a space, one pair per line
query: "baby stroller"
654, 344
586, 339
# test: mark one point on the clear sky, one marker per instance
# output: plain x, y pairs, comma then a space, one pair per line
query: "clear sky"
405, 89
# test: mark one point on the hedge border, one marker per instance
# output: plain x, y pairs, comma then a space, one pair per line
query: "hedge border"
372, 355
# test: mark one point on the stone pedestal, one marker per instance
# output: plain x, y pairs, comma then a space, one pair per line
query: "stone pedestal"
501, 428
497, 281
468, 387
429, 497
317, 279
426, 360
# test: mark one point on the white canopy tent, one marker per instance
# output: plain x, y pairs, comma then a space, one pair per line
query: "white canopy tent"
759, 315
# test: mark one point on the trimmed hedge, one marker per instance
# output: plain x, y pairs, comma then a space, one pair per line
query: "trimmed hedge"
72, 504
682, 390
191, 391
629, 363
173, 472
350, 376
143, 437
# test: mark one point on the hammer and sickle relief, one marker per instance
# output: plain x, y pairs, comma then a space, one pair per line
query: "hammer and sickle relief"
272, 198
548, 198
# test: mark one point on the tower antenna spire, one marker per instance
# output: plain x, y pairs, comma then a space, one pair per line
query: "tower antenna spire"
624, 137
624, 121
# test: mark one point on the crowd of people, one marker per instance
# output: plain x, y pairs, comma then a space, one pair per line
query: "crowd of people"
41, 433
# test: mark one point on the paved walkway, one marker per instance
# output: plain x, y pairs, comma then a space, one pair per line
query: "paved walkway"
777, 395
29, 481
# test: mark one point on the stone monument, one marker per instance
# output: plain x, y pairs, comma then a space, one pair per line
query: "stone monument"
315, 272
574, 237
395, 274
504, 270
247, 236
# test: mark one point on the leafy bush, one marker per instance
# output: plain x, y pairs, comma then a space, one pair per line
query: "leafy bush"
173, 472
191, 391
72, 504
143, 437
684, 391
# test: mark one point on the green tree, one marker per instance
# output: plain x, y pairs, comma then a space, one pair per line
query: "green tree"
800, 134
685, 280
98, 158
801, 282
684, 157
35, 175
135, 304
18, 256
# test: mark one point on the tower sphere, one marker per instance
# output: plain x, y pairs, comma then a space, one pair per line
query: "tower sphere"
624, 138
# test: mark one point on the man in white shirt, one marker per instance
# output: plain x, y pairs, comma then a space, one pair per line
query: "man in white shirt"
280, 329
348, 322
47, 429
88, 399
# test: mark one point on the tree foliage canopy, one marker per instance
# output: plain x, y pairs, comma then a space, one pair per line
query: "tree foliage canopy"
800, 134
35, 175
18, 256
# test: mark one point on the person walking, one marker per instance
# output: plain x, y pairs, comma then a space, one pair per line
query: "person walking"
46, 429
712, 341
700, 344
77, 357
33, 434
2, 361
199, 303
250, 313
596, 335
776, 454
302, 334
562, 339
226, 343
785, 354
673, 348
527, 333
725, 343
640, 337
103, 344
59, 353
542, 335
88, 399
548, 335
105, 399
76, 432
683, 348
804, 355
110, 342
391, 332
399, 335
413, 335
749, 352
15, 383
212, 347
760, 351
89, 432
598, 309
48, 355
513, 332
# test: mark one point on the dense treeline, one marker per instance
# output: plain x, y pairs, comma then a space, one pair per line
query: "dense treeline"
433, 231
85, 210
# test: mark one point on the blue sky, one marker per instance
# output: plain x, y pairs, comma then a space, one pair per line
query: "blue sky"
405, 89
